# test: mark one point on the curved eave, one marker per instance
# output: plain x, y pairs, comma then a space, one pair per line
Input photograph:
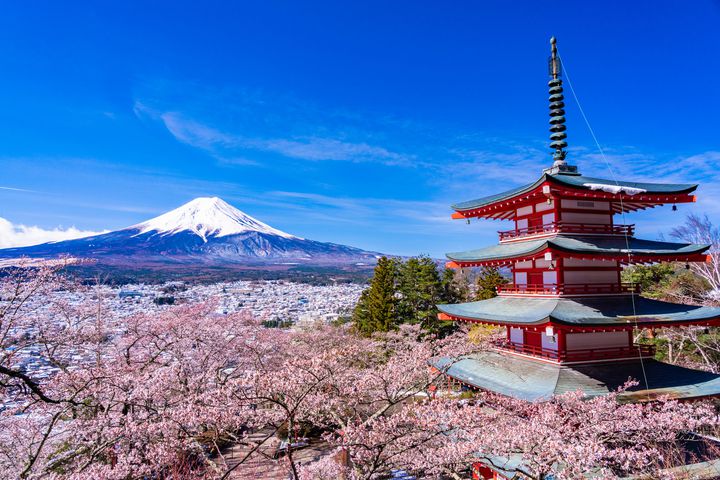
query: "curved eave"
602, 312
501, 205
578, 181
537, 381
580, 247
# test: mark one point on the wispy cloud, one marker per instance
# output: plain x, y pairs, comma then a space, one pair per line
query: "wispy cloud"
14, 189
312, 148
16, 235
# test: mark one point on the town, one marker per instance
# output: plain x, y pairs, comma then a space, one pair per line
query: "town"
276, 303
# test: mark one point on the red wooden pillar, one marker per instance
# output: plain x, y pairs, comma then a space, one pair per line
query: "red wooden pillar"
561, 344
560, 274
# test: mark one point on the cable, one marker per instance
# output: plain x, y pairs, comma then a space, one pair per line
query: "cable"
622, 208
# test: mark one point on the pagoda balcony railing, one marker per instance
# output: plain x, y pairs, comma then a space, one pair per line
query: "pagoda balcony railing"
568, 289
565, 227
579, 355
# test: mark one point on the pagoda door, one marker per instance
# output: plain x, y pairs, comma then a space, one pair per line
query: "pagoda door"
533, 342
534, 224
535, 279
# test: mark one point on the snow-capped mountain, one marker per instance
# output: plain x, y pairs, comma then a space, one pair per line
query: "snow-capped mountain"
207, 217
205, 230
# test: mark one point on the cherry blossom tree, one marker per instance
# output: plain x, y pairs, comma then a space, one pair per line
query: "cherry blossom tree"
157, 395
701, 230
565, 437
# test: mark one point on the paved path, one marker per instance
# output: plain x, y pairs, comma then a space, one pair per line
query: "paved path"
261, 464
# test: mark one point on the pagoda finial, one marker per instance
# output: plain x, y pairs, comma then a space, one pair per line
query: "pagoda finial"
557, 114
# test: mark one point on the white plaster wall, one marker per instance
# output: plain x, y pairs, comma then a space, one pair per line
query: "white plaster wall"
521, 278
542, 263
549, 343
549, 277
590, 276
577, 341
516, 335
524, 211
541, 207
522, 223
548, 218
525, 264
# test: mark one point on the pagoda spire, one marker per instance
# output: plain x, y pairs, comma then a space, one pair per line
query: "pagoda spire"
557, 113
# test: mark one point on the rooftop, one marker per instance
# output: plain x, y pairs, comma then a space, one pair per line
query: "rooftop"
530, 380
581, 182
593, 246
617, 311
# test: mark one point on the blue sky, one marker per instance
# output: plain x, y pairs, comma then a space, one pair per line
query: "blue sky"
351, 122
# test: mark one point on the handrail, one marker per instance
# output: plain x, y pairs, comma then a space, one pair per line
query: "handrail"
568, 288
566, 227
579, 355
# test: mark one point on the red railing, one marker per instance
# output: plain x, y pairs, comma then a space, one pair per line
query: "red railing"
580, 355
564, 227
568, 288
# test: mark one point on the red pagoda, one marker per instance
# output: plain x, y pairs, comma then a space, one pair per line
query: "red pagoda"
568, 316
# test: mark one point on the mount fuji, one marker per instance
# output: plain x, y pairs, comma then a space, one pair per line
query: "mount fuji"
206, 231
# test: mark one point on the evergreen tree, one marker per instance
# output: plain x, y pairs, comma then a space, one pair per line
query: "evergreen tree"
376, 310
420, 290
487, 282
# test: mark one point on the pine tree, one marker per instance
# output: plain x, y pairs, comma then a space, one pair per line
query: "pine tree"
487, 282
419, 291
376, 310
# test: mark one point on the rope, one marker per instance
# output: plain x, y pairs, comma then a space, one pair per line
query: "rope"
622, 208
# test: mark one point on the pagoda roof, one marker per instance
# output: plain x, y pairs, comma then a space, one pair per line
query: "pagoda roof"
600, 311
594, 246
582, 182
531, 380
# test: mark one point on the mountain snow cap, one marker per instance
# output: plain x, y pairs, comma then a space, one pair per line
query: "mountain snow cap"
206, 217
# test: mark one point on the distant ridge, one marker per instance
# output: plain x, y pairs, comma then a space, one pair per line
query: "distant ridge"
205, 231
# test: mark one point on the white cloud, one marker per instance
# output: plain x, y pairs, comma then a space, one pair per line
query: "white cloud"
13, 189
12, 235
313, 148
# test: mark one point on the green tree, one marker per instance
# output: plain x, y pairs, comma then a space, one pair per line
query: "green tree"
652, 279
420, 290
487, 283
376, 310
